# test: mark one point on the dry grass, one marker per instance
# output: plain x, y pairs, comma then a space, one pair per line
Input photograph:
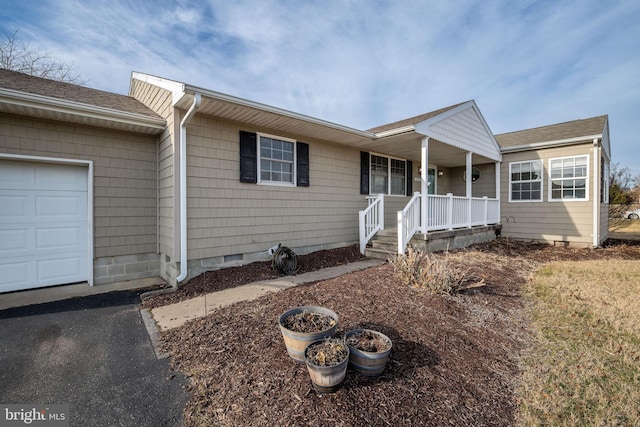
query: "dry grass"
624, 229
585, 366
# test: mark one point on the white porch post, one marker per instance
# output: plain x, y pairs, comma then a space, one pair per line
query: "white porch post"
424, 183
469, 188
498, 189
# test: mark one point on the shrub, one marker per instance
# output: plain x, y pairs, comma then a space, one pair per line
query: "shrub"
434, 274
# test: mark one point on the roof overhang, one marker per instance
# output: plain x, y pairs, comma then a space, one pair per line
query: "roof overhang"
448, 146
33, 105
586, 139
260, 116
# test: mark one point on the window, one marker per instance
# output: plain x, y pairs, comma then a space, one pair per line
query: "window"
525, 181
388, 176
277, 160
568, 178
475, 174
273, 160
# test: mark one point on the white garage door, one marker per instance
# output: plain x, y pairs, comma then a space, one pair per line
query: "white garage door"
43, 224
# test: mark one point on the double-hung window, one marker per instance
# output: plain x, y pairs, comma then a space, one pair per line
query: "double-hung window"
276, 163
525, 181
388, 176
568, 178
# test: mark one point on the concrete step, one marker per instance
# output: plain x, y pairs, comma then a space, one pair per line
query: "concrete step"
383, 245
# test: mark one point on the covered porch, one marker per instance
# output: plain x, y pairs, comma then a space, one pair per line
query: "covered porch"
457, 178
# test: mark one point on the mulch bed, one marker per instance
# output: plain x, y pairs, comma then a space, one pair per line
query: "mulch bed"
231, 277
455, 359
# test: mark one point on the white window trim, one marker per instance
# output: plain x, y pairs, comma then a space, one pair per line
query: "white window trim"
550, 180
541, 182
293, 169
388, 193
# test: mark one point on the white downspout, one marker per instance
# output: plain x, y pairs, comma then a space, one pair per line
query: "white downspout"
596, 193
197, 99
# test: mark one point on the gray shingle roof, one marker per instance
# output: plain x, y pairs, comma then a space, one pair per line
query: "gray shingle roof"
412, 120
557, 132
69, 92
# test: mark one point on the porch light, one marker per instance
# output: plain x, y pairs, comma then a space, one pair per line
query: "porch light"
440, 173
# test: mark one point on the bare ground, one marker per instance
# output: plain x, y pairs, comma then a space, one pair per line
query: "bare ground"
455, 360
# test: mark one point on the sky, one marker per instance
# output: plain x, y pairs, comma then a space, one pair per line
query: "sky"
364, 63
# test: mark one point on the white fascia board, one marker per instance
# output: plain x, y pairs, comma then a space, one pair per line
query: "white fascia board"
397, 131
176, 88
551, 144
30, 100
270, 109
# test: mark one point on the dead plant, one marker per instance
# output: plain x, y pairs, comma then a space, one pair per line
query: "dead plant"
434, 274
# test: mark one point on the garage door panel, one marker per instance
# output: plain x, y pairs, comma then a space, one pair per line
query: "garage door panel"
59, 269
17, 175
55, 177
60, 238
72, 206
13, 240
14, 276
13, 205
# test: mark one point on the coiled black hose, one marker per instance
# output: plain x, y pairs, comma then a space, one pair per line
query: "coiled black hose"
284, 261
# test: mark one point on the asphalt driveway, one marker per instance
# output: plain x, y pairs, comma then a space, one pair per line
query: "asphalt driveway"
92, 353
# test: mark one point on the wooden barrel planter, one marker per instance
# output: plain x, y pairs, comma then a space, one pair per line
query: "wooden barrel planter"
327, 362
369, 351
306, 318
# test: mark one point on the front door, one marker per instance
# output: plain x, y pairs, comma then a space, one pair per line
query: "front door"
431, 181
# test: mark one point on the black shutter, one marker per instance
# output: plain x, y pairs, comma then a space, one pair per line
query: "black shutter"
364, 172
302, 164
409, 177
248, 157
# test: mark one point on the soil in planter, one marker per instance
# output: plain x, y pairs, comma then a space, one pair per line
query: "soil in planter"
327, 353
369, 342
307, 322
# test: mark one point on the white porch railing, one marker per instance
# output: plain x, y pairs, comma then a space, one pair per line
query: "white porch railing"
408, 222
371, 220
447, 212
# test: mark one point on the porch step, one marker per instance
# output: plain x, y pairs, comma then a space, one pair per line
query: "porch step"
383, 245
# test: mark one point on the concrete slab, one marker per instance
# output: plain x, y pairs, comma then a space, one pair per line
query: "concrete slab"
63, 292
175, 315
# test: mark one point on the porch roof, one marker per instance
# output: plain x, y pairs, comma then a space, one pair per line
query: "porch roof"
453, 131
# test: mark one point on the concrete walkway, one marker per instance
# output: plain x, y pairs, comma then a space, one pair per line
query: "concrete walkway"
174, 315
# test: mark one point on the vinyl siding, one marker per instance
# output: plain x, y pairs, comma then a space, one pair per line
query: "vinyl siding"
125, 209
557, 221
227, 217
485, 186
160, 101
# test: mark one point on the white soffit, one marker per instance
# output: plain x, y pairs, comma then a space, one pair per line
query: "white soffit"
463, 127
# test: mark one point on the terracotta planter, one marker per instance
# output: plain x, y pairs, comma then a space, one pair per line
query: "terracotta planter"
369, 363
327, 376
297, 342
